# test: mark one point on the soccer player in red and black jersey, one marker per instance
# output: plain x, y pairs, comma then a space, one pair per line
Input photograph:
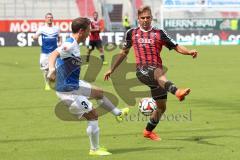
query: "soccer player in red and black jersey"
147, 42
94, 38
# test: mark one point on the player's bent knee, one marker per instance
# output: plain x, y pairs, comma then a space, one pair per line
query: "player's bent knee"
100, 93
97, 93
91, 116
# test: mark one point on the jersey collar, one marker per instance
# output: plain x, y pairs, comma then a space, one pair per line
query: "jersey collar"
146, 30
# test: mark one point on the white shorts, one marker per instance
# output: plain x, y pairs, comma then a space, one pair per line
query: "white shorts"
44, 61
77, 100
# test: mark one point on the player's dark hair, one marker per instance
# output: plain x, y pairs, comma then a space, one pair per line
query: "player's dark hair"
48, 14
80, 23
144, 9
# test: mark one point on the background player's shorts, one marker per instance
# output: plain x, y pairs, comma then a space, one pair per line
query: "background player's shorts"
96, 43
44, 61
77, 100
146, 76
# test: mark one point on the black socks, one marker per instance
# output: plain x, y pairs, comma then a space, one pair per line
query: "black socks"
170, 87
151, 124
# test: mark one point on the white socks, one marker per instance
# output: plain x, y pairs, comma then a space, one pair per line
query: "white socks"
107, 104
93, 133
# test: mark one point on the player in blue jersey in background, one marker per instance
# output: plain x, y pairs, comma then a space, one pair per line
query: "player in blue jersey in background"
50, 41
64, 70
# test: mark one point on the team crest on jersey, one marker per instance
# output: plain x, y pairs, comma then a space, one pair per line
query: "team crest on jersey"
153, 34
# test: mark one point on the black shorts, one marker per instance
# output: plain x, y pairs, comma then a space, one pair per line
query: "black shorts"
93, 44
146, 76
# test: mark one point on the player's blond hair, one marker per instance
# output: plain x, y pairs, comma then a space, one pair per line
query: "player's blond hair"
144, 9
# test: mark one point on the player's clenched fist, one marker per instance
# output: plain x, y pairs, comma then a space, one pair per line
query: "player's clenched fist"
51, 74
193, 53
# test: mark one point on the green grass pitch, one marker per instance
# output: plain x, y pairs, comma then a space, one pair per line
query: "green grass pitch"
204, 126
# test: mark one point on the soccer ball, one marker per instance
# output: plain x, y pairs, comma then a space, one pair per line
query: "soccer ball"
147, 106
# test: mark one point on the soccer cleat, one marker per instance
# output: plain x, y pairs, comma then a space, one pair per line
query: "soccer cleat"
105, 63
124, 113
151, 135
47, 87
99, 152
181, 93
103, 148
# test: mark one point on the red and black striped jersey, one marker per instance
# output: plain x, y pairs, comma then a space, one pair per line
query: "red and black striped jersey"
148, 45
94, 35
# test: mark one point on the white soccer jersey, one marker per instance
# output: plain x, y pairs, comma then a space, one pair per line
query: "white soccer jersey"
49, 38
70, 89
70, 48
68, 66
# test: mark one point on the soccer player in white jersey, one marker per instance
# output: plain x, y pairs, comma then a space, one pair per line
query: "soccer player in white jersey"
64, 70
50, 41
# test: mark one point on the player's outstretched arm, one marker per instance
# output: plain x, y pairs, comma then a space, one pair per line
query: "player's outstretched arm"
51, 68
116, 63
183, 50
